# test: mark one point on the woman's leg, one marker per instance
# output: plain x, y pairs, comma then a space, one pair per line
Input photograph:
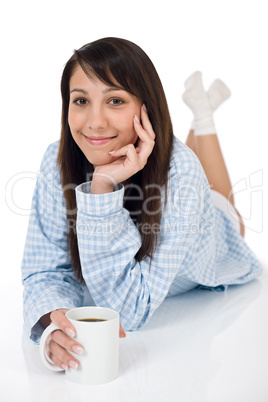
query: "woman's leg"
208, 151
207, 147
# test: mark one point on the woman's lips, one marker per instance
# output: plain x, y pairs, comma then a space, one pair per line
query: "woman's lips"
98, 140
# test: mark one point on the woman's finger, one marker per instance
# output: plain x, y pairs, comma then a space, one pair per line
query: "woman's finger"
122, 333
146, 142
60, 355
59, 319
67, 343
146, 124
142, 133
129, 151
58, 362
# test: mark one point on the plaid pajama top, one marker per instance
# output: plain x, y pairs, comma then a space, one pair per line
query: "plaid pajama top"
197, 246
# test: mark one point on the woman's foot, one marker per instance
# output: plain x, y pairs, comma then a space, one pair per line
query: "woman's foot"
203, 103
217, 94
197, 100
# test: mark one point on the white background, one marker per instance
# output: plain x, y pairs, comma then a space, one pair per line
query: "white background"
224, 39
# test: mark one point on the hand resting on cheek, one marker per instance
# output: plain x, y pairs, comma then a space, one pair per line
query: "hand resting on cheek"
128, 159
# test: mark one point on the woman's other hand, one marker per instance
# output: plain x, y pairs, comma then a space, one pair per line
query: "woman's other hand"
60, 342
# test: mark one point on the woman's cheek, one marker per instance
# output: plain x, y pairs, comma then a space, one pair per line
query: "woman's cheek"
75, 120
70, 120
131, 135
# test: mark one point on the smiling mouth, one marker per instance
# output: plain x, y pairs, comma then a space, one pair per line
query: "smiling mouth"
98, 140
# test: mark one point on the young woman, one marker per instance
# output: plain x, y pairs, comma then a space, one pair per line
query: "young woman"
122, 209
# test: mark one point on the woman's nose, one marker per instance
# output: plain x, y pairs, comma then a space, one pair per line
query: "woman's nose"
96, 118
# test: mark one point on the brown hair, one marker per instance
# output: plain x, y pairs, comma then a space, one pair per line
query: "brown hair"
132, 69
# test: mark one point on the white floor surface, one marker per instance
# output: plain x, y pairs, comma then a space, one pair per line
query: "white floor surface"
202, 346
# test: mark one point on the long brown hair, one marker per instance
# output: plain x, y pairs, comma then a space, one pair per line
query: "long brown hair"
132, 69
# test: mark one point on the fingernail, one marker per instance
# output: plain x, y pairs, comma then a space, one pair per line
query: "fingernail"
70, 332
136, 118
64, 366
73, 364
78, 349
112, 152
144, 108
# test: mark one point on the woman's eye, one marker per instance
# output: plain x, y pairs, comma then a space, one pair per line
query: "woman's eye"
80, 101
116, 102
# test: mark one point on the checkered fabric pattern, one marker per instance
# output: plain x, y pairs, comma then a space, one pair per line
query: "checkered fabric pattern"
197, 246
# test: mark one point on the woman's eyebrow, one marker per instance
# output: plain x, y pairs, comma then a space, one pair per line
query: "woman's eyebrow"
79, 90
110, 89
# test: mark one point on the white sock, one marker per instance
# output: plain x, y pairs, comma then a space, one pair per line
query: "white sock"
196, 99
202, 103
217, 94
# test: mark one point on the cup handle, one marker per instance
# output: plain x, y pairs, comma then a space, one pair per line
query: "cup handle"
48, 363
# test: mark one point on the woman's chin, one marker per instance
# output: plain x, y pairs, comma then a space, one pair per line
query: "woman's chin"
100, 160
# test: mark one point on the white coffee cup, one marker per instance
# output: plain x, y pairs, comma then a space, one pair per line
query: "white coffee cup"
100, 340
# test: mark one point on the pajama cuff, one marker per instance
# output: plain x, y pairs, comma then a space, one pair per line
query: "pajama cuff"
98, 204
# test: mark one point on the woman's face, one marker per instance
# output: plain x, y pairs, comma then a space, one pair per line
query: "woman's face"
100, 117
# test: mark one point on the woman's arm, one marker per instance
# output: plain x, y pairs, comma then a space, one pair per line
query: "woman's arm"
47, 275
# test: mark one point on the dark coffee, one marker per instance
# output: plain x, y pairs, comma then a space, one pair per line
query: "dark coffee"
91, 319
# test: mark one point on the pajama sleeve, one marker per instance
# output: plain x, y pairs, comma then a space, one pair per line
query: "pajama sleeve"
47, 274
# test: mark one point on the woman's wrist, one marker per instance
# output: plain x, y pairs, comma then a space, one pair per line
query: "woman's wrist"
45, 320
101, 187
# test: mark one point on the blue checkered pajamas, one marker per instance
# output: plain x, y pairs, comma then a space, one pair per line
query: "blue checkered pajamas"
197, 246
